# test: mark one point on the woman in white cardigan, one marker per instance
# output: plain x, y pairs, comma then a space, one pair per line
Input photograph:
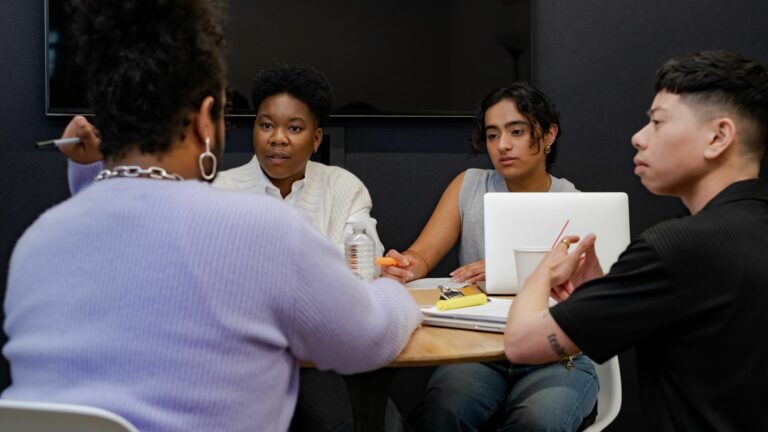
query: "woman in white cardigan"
291, 103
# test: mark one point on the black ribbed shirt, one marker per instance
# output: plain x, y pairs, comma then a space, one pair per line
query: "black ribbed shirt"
691, 295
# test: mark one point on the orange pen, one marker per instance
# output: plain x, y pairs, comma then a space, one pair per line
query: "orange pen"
385, 261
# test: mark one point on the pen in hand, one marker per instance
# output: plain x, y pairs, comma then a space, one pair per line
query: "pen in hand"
58, 142
386, 261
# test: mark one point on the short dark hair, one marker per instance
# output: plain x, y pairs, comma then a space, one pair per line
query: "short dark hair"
722, 79
532, 104
305, 83
148, 65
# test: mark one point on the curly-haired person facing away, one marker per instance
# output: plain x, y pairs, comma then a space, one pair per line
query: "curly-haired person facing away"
174, 304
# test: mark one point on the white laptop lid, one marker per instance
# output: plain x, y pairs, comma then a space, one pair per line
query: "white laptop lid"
519, 220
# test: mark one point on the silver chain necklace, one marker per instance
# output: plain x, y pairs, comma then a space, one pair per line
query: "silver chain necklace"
137, 171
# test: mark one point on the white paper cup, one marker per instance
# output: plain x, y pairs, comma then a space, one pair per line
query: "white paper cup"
526, 261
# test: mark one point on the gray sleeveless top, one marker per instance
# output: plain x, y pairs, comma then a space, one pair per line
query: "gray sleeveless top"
476, 183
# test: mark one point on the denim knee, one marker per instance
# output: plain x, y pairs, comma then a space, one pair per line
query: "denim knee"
552, 397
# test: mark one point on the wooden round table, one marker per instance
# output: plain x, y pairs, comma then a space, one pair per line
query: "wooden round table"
428, 346
431, 346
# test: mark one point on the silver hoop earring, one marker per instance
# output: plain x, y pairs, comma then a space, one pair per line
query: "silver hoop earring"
207, 154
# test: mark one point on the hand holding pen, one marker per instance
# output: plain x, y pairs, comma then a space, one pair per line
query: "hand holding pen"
398, 267
79, 142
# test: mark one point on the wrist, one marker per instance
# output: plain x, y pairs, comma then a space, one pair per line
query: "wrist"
541, 279
416, 259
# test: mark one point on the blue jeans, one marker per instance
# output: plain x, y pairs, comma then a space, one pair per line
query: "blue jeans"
468, 397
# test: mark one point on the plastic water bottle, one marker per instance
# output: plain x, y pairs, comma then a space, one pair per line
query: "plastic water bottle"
359, 250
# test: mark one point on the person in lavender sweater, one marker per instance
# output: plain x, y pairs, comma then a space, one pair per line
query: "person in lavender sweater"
175, 305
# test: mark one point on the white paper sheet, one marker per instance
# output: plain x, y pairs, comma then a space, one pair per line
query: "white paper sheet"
495, 310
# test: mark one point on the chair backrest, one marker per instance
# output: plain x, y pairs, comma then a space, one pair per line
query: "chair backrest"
22, 416
609, 397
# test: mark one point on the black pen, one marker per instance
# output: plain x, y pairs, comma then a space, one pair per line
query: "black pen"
59, 142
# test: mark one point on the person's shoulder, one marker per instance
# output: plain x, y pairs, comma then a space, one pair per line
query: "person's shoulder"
476, 174
241, 177
686, 233
246, 168
332, 171
472, 180
333, 176
562, 185
667, 226
50, 219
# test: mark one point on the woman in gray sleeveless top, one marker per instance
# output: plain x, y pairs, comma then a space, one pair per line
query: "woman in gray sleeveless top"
518, 127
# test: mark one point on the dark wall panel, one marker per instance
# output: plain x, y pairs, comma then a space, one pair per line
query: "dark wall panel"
31, 181
406, 166
596, 60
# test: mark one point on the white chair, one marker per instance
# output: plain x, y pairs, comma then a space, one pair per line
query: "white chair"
609, 397
21, 416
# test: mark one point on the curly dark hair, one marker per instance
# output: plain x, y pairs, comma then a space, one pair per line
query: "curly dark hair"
532, 104
723, 80
148, 64
305, 83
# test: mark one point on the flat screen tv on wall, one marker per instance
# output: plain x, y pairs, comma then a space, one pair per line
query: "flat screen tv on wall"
430, 58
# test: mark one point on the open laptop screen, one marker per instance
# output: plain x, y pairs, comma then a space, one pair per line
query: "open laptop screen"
522, 220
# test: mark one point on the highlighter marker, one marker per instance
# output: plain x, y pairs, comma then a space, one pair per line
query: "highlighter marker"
460, 302
385, 261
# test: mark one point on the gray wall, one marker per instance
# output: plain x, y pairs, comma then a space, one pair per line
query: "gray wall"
594, 58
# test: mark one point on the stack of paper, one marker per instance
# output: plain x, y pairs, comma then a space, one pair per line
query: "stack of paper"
495, 310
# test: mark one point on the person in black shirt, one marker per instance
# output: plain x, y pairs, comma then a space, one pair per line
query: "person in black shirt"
690, 294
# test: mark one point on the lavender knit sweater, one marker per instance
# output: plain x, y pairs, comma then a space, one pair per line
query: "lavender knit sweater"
183, 308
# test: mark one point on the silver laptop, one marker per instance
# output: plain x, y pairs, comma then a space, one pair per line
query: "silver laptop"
465, 323
520, 220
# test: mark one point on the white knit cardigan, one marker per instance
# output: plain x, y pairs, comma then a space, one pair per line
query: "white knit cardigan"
332, 197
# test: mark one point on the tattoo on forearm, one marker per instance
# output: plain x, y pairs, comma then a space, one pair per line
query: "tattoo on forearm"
556, 347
